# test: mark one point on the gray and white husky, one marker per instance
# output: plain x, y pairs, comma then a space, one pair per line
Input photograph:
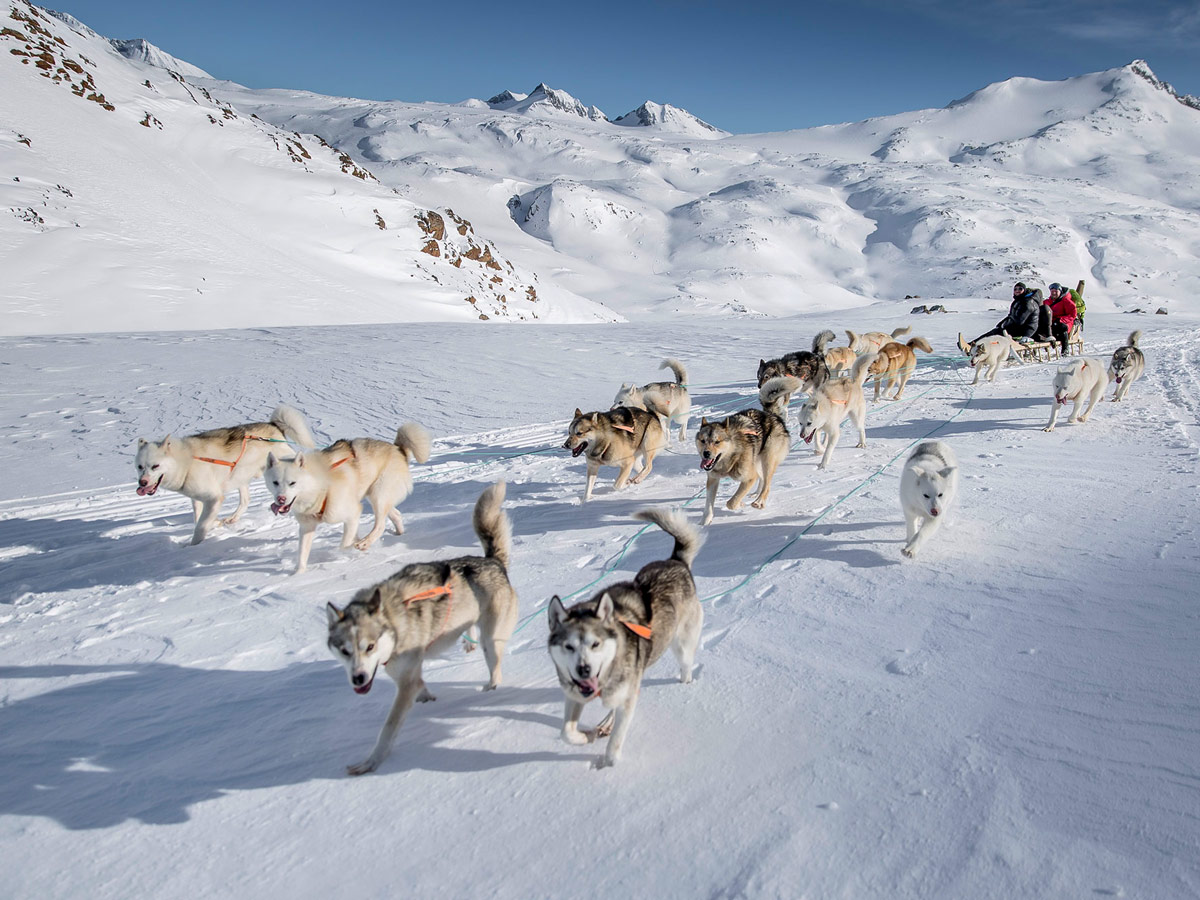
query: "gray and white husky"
1083, 380
602, 647
928, 486
330, 485
424, 609
205, 466
1128, 364
668, 400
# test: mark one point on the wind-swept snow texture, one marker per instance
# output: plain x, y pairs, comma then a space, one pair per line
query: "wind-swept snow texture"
1012, 715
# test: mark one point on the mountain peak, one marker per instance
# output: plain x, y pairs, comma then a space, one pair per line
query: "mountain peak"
665, 117
1142, 69
542, 97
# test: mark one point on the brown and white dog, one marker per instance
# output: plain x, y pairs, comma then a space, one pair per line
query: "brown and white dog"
895, 364
618, 437
873, 341
748, 446
836, 399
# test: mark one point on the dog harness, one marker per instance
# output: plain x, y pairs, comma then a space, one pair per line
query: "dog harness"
642, 631
245, 440
440, 590
325, 502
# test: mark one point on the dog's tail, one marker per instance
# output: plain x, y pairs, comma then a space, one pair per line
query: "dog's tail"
858, 374
903, 329
492, 524
677, 367
919, 343
414, 441
1134, 338
773, 395
852, 340
1014, 348
822, 340
675, 523
293, 425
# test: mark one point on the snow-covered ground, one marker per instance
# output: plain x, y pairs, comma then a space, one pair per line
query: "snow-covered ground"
1012, 715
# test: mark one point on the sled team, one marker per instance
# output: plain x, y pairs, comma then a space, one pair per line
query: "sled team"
600, 647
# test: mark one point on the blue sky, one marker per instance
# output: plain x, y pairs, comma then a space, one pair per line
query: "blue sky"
745, 67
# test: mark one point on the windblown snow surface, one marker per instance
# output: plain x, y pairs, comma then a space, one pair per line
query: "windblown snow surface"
1013, 714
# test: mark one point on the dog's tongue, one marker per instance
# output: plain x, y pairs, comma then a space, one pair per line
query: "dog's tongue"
589, 686
808, 440
707, 464
142, 491
1118, 379
279, 509
579, 449
364, 688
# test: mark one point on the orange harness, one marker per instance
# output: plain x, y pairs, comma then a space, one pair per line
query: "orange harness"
622, 427
325, 502
642, 631
435, 592
245, 440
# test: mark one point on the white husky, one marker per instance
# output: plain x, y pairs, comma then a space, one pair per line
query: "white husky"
832, 402
329, 485
205, 466
991, 353
1082, 380
927, 489
1128, 364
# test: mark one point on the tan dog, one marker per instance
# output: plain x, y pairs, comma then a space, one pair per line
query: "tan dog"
616, 438
663, 398
836, 399
748, 447
895, 364
839, 359
873, 341
330, 485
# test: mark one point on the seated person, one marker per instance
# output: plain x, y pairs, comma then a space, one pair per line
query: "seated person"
1062, 308
1021, 321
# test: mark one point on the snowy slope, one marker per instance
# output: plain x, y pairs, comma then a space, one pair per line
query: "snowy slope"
1092, 176
1013, 715
133, 198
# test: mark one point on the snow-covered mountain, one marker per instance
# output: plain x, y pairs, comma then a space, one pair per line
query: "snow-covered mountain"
136, 198
1090, 177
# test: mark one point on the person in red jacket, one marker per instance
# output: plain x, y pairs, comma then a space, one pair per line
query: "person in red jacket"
1062, 307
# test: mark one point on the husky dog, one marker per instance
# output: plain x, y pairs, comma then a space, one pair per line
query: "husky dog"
424, 609
602, 647
616, 438
873, 341
992, 353
836, 399
1082, 380
329, 485
895, 364
205, 466
748, 446
808, 366
667, 399
927, 488
839, 359
773, 396
1127, 365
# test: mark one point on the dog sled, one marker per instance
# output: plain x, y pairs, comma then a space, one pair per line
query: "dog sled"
1046, 351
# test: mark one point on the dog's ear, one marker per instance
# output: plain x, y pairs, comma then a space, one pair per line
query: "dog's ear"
271, 461
703, 421
142, 443
166, 443
947, 472
557, 613
300, 460
595, 418
604, 611
578, 412
374, 602
333, 615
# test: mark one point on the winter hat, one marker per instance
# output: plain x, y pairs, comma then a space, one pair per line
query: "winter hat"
1056, 286
1019, 284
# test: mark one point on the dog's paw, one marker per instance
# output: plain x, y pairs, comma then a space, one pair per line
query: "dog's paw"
759, 504
605, 762
364, 544
425, 696
229, 520
362, 768
733, 504
1048, 428
861, 445
578, 738
908, 554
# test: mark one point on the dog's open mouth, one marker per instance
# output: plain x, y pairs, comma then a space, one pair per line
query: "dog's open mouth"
587, 687
808, 438
707, 462
282, 509
1118, 379
575, 451
1062, 400
364, 688
147, 490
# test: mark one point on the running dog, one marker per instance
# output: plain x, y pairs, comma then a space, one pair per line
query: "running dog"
992, 353
1082, 380
895, 364
616, 438
663, 398
748, 447
839, 360
602, 647
836, 399
329, 485
1128, 364
203, 467
773, 396
873, 341
808, 366
424, 609
928, 486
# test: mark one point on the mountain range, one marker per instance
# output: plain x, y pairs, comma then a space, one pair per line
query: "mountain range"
144, 194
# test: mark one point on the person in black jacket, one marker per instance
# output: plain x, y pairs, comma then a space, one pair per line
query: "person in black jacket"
1022, 318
